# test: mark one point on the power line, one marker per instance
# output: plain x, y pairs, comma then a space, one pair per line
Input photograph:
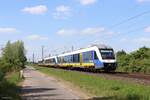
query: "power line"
136, 29
125, 21
129, 19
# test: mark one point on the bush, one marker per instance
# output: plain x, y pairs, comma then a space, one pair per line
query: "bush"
1, 76
137, 61
13, 56
13, 59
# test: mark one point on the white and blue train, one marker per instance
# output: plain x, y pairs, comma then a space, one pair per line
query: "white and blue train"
94, 57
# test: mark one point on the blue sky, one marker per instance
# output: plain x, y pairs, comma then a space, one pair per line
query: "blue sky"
61, 24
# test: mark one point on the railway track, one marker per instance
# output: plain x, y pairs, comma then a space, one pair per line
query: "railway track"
133, 75
123, 76
143, 79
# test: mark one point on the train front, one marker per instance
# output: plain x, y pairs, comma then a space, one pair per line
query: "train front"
108, 59
104, 58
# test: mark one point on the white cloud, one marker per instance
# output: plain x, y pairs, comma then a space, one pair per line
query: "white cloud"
111, 33
36, 37
93, 30
85, 31
66, 32
87, 2
143, 40
40, 9
147, 29
62, 12
138, 40
142, 1
62, 8
4, 30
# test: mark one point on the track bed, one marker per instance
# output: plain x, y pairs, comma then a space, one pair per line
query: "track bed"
124, 76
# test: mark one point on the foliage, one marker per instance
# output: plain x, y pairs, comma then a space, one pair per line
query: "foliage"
13, 56
137, 61
8, 88
12, 61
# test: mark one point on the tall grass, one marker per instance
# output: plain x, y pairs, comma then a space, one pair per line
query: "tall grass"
101, 88
8, 87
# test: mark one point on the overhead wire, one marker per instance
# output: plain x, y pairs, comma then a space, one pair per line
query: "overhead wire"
129, 19
125, 21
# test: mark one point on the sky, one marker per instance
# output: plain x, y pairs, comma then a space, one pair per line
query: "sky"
60, 24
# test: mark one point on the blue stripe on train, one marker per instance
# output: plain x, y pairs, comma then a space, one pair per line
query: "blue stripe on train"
97, 62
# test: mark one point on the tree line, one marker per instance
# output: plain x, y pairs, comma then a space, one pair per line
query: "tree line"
137, 61
12, 57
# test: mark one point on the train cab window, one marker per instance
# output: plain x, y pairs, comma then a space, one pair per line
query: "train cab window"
95, 55
107, 54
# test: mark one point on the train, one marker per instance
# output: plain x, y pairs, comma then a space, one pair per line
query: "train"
93, 57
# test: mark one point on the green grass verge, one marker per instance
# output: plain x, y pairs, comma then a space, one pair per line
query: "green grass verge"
8, 87
99, 87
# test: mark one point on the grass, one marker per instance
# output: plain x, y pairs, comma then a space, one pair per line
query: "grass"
8, 87
99, 87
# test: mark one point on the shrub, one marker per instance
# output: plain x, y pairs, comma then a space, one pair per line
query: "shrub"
137, 61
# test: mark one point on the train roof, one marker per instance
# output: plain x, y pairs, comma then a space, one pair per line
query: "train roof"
39, 59
93, 47
49, 57
90, 48
101, 46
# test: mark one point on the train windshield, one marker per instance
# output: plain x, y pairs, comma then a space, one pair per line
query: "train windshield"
107, 53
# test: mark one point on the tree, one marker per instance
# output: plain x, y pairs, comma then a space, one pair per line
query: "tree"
142, 53
137, 61
122, 52
122, 60
13, 55
21, 53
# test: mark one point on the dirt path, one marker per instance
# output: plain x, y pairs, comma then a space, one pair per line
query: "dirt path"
38, 86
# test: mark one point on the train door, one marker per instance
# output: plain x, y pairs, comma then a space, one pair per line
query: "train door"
80, 58
97, 62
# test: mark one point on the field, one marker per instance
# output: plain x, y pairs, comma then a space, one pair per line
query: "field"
101, 88
8, 87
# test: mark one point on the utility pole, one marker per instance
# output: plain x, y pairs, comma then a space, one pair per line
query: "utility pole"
33, 57
72, 48
42, 52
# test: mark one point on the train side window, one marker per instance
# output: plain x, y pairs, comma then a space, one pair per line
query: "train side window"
70, 58
95, 55
53, 60
87, 56
76, 58
62, 59
65, 59
59, 59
